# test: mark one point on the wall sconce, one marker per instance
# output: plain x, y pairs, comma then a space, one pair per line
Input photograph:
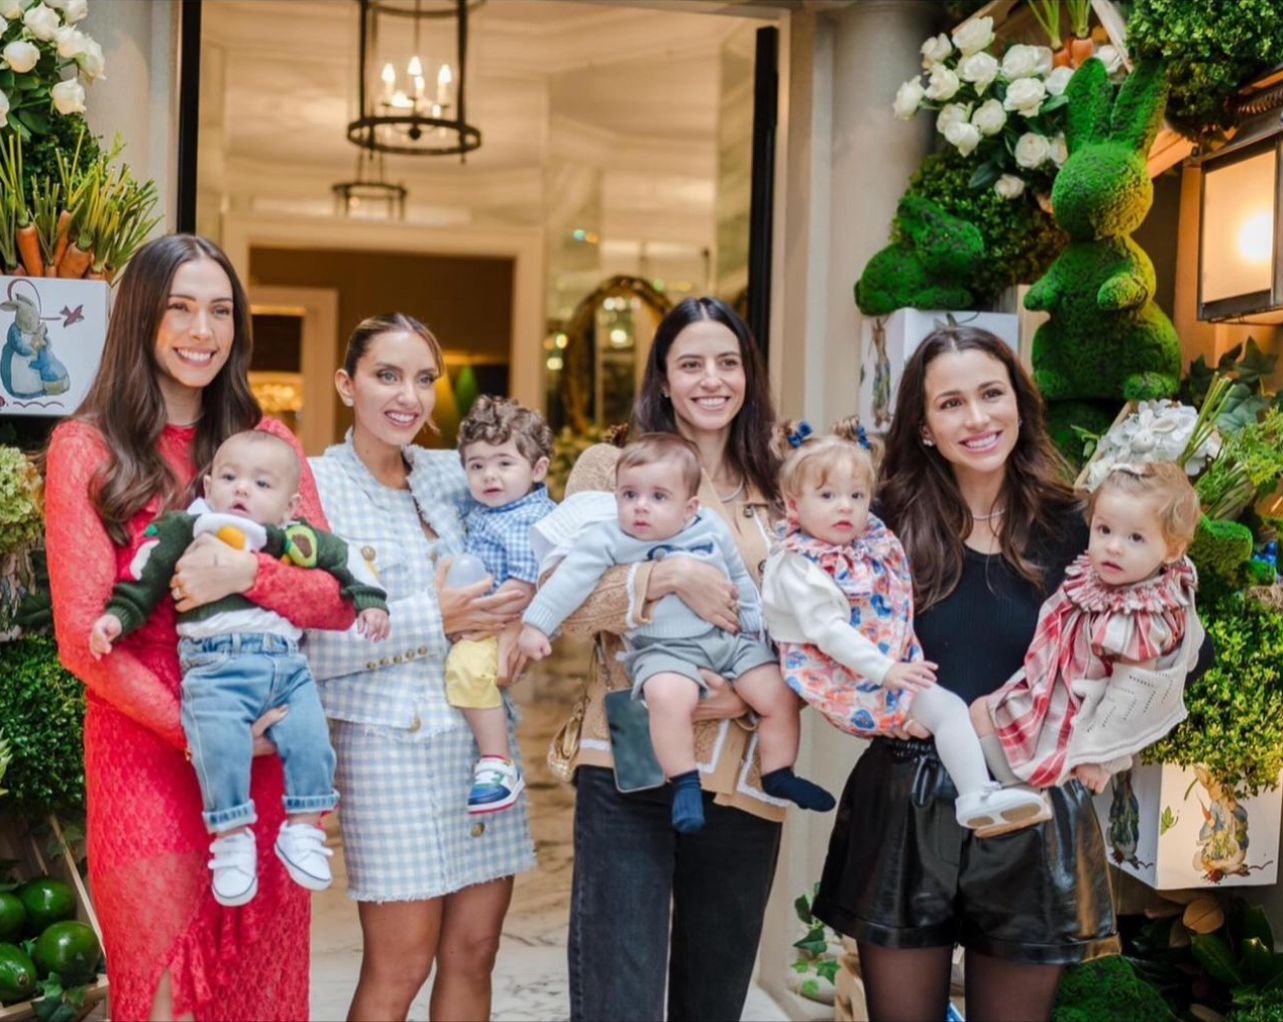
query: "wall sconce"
1240, 246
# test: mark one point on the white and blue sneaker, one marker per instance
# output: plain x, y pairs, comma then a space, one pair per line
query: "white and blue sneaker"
496, 784
235, 867
301, 847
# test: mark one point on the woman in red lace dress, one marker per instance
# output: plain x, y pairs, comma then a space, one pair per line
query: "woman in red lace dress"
171, 387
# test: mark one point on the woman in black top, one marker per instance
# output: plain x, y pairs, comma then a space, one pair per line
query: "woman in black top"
977, 495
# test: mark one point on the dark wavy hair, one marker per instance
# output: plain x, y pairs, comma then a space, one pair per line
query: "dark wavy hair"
125, 403
750, 449
921, 500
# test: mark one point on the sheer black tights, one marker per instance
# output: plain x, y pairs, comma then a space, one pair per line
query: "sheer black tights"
912, 985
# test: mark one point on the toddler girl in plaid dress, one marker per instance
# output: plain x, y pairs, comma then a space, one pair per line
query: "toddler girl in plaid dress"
838, 600
505, 450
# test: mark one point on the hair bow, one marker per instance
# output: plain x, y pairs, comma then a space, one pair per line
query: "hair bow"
800, 434
862, 438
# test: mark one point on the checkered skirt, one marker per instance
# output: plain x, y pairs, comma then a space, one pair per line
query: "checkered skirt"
407, 834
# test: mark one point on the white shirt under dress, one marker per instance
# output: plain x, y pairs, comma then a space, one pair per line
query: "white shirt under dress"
405, 756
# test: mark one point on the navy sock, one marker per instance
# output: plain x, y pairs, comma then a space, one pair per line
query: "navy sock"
783, 783
688, 802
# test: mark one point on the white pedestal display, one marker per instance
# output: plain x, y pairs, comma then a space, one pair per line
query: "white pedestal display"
886, 342
53, 334
1175, 827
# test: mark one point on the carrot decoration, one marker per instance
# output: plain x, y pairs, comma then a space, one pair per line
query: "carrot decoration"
1080, 50
29, 250
76, 262
65, 219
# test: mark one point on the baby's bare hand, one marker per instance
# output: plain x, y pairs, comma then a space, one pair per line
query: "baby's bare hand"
374, 624
533, 643
913, 676
104, 632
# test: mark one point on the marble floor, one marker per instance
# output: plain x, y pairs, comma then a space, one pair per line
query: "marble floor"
530, 978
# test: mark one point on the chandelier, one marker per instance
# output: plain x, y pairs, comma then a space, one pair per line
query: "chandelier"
369, 195
410, 101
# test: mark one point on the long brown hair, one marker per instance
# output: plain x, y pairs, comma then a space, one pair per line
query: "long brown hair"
125, 403
921, 500
749, 449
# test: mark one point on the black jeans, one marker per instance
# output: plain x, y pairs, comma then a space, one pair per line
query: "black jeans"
631, 868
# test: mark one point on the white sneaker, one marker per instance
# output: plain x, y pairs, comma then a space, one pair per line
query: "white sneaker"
997, 810
496, 785
302, 848
235, 866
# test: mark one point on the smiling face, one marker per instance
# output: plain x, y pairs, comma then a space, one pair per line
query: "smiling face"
652, 501
834, 508
392, 389
499, 474
196, 331
1127, 544
704, 379
972, 416
256, 478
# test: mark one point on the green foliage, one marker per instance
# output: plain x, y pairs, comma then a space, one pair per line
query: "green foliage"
1107, 988
1235, 723
42, 711
1221, 551
1249, 466
926, 267
40, 155
1210, 49
20, 521
1267, 1008
1020, 240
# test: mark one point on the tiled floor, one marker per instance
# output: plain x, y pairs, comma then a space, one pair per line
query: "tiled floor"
530, 978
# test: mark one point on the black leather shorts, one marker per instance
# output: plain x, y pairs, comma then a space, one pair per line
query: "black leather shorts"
901, 873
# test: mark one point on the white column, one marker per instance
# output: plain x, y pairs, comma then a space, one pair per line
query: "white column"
139, 95
845, 164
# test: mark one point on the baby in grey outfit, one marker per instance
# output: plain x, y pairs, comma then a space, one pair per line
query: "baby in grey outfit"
659, 515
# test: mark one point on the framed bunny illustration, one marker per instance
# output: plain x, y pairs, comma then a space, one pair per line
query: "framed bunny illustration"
49, 358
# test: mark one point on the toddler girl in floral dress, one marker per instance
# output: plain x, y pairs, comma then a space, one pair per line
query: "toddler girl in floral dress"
1105, 673
838, 600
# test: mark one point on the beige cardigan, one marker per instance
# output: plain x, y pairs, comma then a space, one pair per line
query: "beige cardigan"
725, 750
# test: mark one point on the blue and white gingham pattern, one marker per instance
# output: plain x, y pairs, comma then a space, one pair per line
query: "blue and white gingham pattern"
406, 830
400, 682
500, 536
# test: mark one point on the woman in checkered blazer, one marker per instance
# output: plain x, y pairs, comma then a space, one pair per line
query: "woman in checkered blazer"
433, 883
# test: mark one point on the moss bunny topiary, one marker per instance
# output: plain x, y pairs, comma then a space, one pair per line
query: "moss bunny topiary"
1106, 339
927, 268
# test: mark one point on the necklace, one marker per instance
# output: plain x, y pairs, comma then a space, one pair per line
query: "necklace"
733, 494
990, 516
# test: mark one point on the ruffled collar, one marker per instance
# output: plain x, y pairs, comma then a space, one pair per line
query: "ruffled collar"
1172, 588
875, 543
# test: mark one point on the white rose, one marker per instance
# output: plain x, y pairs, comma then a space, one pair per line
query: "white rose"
68, 97
1032, 149
71, 42
980, 69
989, 117
1020, 61
974, 35
942, 84
1111, 58
907, 99
20, 55
1058, 79
936, 49
963, 136
57, 5
90, 59
952, 113
1009, 186
75, 10
1025, 96
1059, 150
42, 22
1043, 61
13, 8
4, 107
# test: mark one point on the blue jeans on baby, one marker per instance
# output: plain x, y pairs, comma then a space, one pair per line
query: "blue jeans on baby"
229, 681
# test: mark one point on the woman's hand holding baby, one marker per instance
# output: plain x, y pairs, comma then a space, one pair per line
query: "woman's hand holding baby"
701, 586
914, 675
468, 611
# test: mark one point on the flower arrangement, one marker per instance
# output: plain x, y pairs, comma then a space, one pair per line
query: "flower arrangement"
1006, 113
45, 63
1156, 431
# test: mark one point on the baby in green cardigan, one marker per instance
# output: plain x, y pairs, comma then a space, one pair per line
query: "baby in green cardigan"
240, 660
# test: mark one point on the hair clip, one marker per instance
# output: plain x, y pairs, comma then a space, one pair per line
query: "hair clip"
862, 438
800, 434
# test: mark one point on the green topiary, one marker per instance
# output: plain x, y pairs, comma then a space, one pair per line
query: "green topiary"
1210, 49
1268, 1008
926, 268
1106, 338
1020, 240
40, 155
1221, 551
1108, 988
42, 710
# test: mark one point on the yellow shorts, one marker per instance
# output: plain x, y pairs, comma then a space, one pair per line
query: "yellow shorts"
471, 675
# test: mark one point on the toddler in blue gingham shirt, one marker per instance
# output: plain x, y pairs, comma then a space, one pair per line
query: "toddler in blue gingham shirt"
505, 450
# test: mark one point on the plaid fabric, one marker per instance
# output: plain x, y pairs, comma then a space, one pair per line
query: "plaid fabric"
500, 536
406, 830
400, 682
